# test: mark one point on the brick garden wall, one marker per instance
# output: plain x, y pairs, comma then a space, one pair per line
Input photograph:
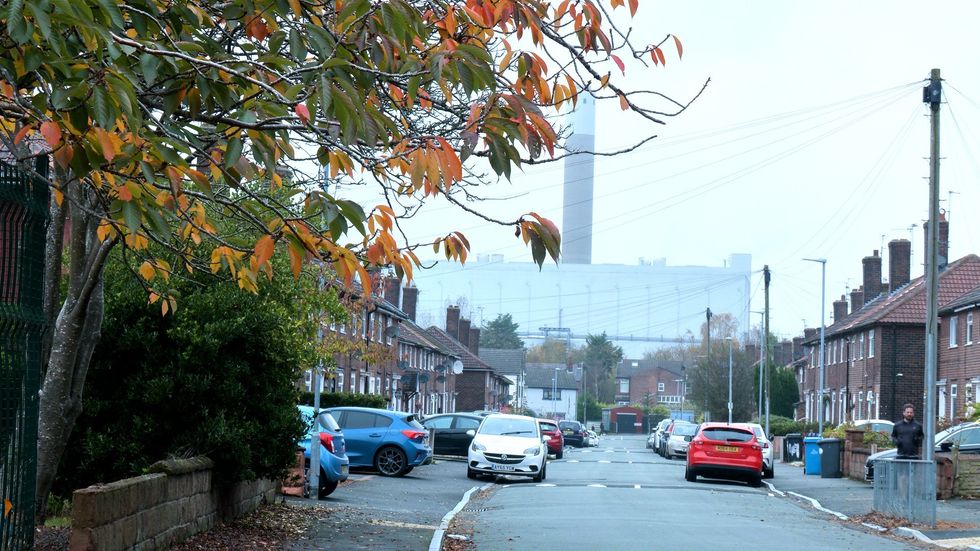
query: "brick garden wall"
967, 478
157, 510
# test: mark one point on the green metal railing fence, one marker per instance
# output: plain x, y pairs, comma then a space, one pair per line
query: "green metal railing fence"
23, 218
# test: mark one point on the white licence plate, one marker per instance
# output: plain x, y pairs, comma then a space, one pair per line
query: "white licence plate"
503, 467
344, 469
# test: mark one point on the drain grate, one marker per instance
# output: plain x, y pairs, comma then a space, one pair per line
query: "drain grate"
478, 509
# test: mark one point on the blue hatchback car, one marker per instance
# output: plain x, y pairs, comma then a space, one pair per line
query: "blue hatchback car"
392, 442
334, 465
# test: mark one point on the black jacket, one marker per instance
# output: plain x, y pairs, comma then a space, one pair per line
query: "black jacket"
907, 437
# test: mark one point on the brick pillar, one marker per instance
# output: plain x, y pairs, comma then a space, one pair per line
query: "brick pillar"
840, 309
872, 276
475, 340
899, 262
464, 332
452, 321
411, 296
857, 299
392, 285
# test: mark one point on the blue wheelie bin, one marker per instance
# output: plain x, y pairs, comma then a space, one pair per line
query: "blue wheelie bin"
811, 450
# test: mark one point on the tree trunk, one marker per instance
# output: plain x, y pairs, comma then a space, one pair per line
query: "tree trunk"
73, 334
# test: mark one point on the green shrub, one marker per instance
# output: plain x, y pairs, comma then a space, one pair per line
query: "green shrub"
338, 399
880, 439
840, 431
781, 426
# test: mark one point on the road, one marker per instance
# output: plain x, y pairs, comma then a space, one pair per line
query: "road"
617, 496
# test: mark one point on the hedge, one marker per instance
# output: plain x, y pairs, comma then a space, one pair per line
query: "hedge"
337, 399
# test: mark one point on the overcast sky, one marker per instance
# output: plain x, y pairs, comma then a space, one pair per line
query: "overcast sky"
811, 141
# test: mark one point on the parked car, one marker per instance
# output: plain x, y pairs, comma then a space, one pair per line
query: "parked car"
678, 441
763, 440
449, 432
658, 433
593, 438
334, 465
666, 434
720, 450
875, 425
392, 442
652, 438
574, 433
966, 435
557, 443
508, 444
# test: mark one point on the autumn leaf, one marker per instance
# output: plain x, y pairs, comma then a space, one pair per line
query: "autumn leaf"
680, 48
7, 507
147, 271
52, 133
619, 63
302, 112
264, 248
63, 155
22, 133
624, 104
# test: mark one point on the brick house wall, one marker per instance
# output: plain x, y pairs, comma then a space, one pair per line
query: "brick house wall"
959, 366
473, 388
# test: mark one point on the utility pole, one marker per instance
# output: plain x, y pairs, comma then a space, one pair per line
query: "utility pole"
707, 316
761, 360
765, 338
932, 94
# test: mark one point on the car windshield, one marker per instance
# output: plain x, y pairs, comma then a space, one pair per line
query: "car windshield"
507, 426
727, 434
684, 430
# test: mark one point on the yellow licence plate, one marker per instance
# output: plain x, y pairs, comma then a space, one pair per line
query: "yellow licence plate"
727, 449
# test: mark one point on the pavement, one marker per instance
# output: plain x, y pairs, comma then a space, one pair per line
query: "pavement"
844, 497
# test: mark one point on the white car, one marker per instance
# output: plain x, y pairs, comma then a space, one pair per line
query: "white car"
876, 425
760, 436
679, 439
508, 444
593, 438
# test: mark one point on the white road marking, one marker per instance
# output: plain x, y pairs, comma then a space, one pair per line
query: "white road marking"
596, 486
637, 486
572, 461
816, 505
604, 461
547, 485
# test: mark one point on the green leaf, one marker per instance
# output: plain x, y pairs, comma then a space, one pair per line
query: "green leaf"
149, 65
234, 152
112, 10
131, 213
102, 108
297, 47
353, 213
159, 225
41, 19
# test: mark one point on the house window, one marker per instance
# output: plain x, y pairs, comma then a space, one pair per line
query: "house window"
624, 386
660, 387
952, 331
861, 347
547, 394
871, 343
969, 328
952, 402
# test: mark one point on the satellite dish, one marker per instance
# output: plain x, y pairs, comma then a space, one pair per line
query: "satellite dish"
457, 367
423, 378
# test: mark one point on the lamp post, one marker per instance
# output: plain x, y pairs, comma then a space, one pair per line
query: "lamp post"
823, 290
730, 404
554, 395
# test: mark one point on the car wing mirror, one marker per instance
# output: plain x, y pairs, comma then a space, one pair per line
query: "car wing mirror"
546, 438
471, 432
946, 446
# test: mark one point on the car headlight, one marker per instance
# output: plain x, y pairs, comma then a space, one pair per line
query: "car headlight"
477, 447
533, 451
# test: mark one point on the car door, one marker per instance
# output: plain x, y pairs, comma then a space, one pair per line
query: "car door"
363, 435
441, 427
461, 439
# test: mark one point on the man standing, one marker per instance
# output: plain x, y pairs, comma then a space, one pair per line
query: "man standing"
907, 434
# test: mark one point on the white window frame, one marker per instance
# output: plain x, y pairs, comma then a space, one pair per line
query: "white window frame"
660, 387
969, 328
952, 331
861, 346
952, 401
871, 343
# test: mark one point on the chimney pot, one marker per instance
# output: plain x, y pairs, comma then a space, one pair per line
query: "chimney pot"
411, 294
452, 321
872, 276
464, 332
899, 263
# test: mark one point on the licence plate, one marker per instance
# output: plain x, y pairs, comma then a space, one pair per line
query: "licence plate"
727, 449
344, 469
503, 467
567, 431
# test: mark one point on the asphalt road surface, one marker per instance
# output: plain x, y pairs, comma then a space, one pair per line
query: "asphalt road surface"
619, 495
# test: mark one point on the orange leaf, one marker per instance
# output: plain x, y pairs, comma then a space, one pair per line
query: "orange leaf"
21, 133
660, 56
165, 307
264, 248
63, 155
147, 271
619, 63
624, 104
51, 132
108, 148
124, 193
680, 48
302, 112
296, 254
634, 4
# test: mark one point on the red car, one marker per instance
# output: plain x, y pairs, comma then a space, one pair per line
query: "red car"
720, 450
557, 443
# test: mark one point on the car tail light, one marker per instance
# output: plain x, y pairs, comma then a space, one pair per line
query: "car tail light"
327, 440
414, 434
765, 445
756, 447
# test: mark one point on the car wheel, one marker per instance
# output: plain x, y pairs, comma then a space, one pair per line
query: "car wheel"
326, 486
690, 476
391, 461
560, 454
755, 481
541, 474
470, 473
767, 473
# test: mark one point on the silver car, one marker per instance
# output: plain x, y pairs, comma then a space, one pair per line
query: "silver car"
760, 436
966, 435
679, 439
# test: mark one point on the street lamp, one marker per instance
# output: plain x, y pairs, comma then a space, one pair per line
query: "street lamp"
823, 290
729, 339
554, 395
